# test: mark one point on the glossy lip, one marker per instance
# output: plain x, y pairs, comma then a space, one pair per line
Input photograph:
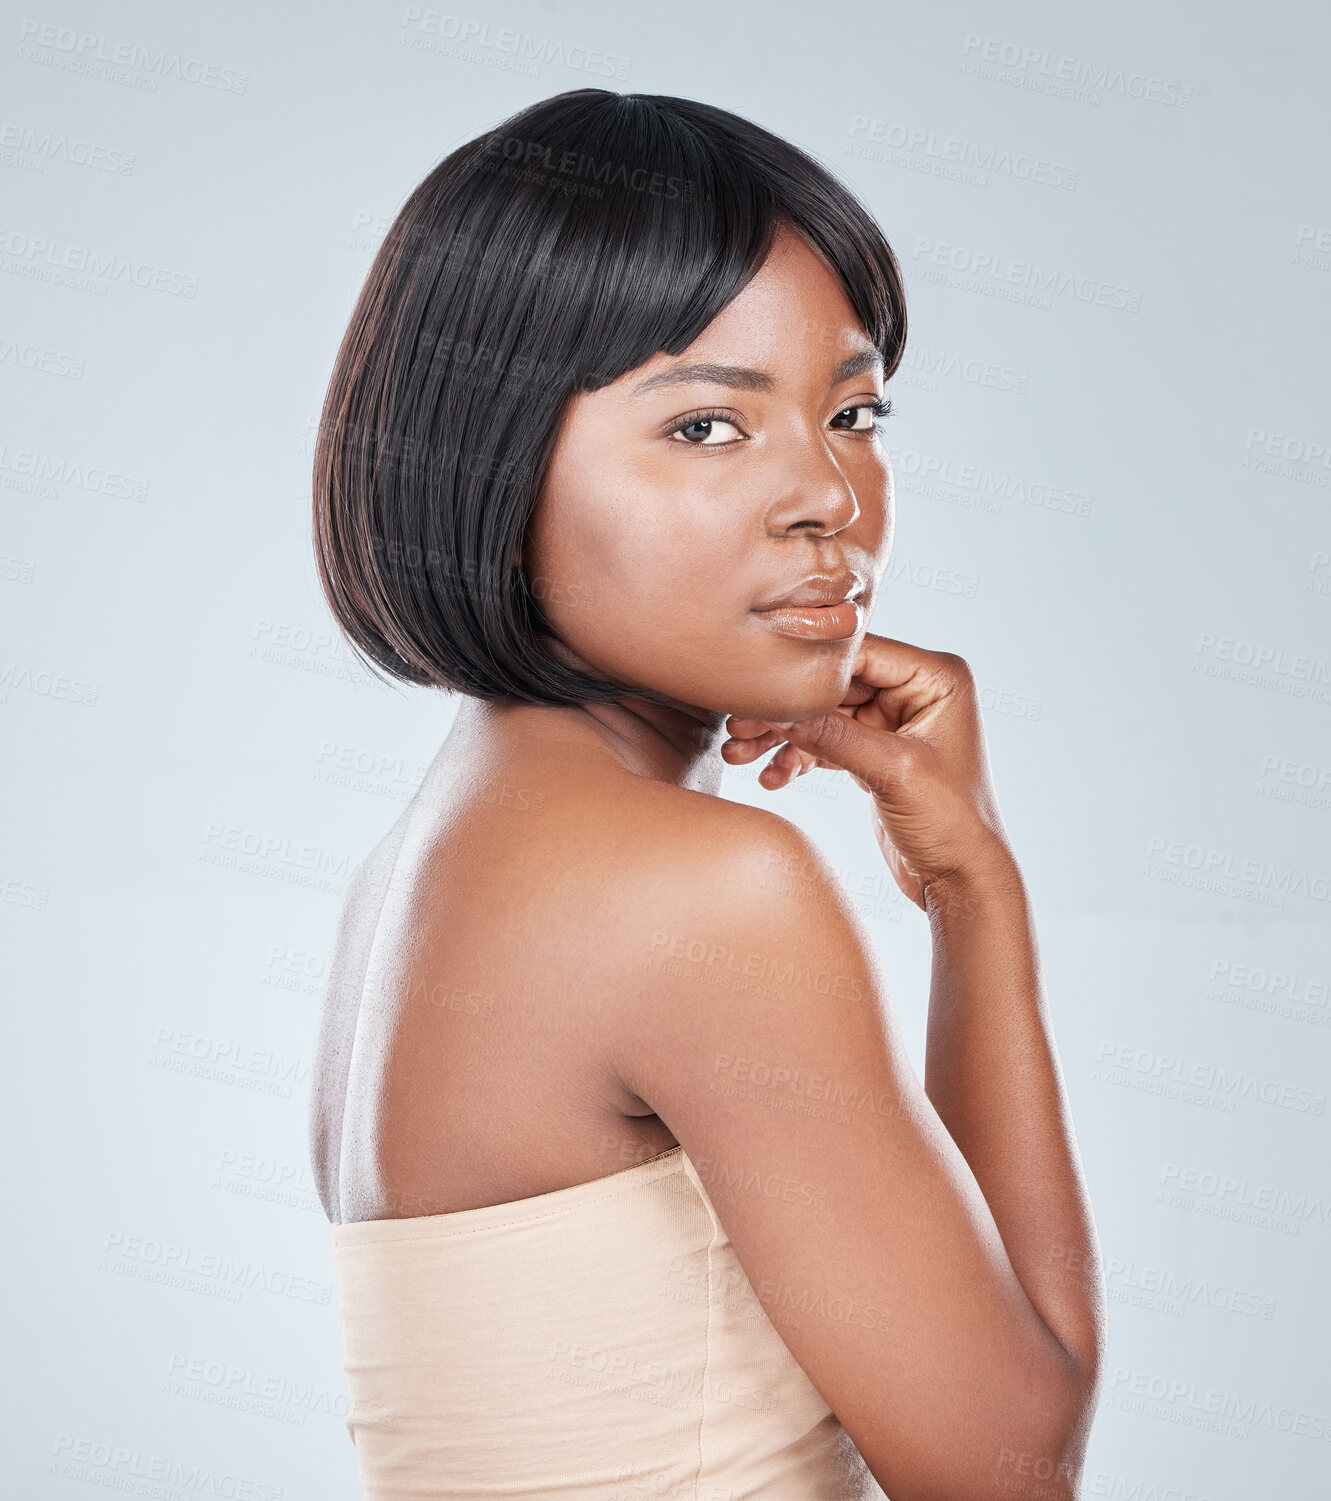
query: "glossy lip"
834, 622
819, 589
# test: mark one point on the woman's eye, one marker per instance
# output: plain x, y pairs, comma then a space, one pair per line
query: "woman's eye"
702, 432
863, 417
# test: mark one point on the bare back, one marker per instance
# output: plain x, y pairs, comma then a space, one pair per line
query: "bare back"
462, 1059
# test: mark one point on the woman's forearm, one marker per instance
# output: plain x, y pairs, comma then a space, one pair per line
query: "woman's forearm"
992, 1074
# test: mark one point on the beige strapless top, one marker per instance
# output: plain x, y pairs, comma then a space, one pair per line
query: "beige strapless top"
597, 1343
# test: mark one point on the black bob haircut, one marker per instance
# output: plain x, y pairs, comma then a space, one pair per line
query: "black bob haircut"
546, 257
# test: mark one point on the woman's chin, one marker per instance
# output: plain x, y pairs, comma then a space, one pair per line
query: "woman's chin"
784, 710
804, 700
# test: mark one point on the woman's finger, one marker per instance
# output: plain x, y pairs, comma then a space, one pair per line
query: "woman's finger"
854, 745
747, 729
784, 767
748, 748
751, 729
752, 738
902, 680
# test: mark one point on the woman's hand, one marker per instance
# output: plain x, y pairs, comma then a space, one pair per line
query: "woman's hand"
909, 733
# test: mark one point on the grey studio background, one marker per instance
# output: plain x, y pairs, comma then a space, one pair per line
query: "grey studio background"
1113, 453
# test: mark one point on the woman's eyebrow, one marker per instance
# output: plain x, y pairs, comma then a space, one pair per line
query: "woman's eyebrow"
743, 378
738, 377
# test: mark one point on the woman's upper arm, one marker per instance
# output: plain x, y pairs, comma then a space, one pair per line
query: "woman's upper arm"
756, 1024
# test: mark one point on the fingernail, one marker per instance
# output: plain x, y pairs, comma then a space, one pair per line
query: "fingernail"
781, 724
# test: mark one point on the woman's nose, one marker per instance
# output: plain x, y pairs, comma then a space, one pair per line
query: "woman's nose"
811, 490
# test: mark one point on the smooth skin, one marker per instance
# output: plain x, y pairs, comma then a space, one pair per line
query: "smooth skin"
575, 953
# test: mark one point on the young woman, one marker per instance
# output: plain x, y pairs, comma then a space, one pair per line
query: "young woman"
633, 1189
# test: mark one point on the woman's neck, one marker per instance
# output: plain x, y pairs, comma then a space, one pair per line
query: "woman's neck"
679, 744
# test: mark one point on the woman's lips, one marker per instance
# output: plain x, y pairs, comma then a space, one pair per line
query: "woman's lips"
815, 622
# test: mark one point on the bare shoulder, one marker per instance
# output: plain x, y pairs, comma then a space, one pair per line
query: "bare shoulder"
753, 1018
626, 836
721, 930
691, 843
647, 882
709, 871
